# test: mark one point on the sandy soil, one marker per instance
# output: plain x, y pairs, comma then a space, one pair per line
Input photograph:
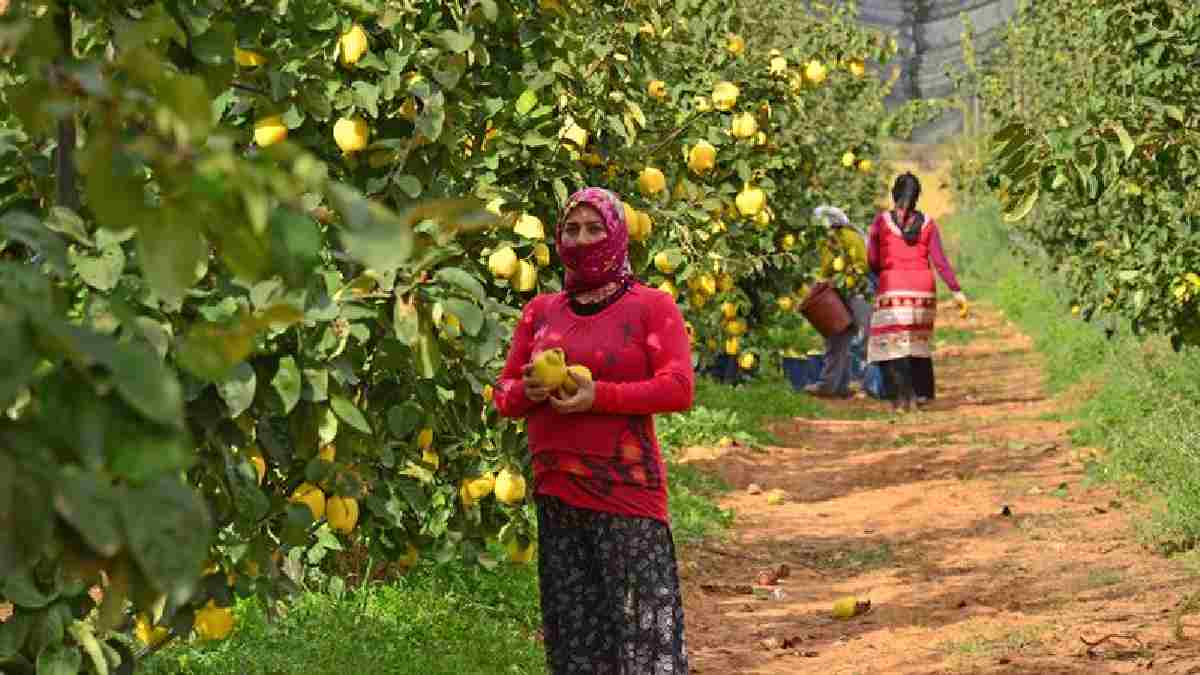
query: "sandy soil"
910, 513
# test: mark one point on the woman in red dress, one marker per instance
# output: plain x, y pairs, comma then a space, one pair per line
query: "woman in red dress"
902, 245
609, 584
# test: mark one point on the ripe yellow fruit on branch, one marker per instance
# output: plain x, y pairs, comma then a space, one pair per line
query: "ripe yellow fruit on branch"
778, 65
541, 254
213, 623
839, 264
351, 134
786, 303
641, 230
530, 226
576, 134
510, 487
550, 368
147, 633
342, 513
815, 72
311, 496
725, 96
520, 555
750, 201
732, 346
260, 463
702, 158
503, 262
432, 458
526, 277
788, 242
707, 284
744, 126
582, 372
848, 159
736, 45
353, 44
747, 361
657, 89
269, 130
725, 282
865, 166
652, 181
856, 67
482, 486
735, 327
728, 310
670, 289
328, 453
247, 58
664, 263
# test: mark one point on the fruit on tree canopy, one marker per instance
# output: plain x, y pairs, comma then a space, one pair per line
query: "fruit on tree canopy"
311, 496
652, 181
482, 486
744, 126
736, 45
247, 58
664, 263
269, 130
541, 254
657, 89
503, 262
342, 513
351, 133
725, 96
750, 200
526, 277
530, 226
510, 487
746, 362
815, 72
353, 44
848, 159
702, 158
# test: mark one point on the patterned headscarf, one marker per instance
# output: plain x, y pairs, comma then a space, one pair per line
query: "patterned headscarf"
601, 263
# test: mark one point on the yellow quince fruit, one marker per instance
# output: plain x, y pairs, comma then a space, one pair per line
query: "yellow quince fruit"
353, 44
269, 130
725, 96
351, 133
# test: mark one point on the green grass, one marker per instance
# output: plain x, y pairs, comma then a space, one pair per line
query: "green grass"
437, 620
448, 619
1136, 398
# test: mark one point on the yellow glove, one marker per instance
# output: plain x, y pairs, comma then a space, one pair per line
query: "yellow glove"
964, 309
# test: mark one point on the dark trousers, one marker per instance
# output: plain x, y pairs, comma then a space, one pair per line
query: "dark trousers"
910, 377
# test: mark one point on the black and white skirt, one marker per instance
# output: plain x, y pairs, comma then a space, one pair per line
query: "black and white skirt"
611, 603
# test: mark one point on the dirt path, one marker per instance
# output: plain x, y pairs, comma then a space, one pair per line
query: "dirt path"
910, 515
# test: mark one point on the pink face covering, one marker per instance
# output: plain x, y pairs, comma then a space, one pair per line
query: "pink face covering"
603, 262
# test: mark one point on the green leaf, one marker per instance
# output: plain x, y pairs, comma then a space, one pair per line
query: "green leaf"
455, 41
327, 426
490, 11
432, 117
26, 518
1127, 145
287, 383
349, 413
376, 237
169, 531
13, 635
411, 185
91, 506
60, 660
468, 314
86, 639
21, 589
249, 501
406, 321
237, 389
1023, 208
295, 245
65, 221
526, 102
405, 419
113, 183
462, 280
366, 97
426, 354
170, 255
101, 272
23, 228
316, 384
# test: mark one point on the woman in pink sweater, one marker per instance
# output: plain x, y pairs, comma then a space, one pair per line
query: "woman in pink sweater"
609, 585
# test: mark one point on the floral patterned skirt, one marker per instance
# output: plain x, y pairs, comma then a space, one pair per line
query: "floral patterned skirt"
611, 603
